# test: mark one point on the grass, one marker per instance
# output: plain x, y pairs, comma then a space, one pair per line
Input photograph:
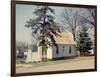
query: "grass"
21, 62
49, 62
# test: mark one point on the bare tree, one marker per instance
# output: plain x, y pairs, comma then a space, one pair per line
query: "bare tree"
76, 17
70, 16
21, 47
87, 16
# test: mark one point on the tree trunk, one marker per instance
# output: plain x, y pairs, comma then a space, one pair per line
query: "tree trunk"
74, 36
73, 32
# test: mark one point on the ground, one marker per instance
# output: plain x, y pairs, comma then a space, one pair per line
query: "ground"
68, 64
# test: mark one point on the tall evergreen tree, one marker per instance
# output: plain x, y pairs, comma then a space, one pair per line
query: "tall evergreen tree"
84, 43
44, 26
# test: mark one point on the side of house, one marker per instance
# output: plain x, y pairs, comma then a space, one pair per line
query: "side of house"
66, 48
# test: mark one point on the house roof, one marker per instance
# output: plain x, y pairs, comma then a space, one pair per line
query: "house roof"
65, 38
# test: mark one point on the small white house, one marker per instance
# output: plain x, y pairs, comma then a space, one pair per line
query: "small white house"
66, 48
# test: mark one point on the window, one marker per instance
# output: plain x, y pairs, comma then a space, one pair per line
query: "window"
63, 48
57, 52
70, 50
57, 49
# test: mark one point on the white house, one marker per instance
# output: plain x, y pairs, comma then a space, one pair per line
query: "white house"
66, 48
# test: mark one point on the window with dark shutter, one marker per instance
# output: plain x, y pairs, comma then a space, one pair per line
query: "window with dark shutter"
70, 50
57, 49
63, 48
57, 52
